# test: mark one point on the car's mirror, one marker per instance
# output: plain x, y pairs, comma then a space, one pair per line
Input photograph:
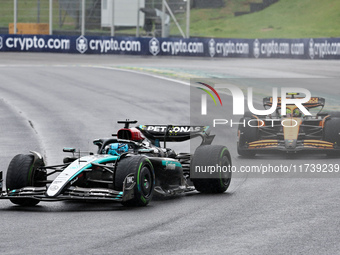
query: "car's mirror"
69, 150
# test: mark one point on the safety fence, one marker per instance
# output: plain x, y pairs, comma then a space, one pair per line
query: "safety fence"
312, 48
158, 18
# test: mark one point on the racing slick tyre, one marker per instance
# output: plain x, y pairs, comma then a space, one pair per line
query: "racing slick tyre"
332, 133
144, 177
335, 114
212, 155
246, 134
22, 173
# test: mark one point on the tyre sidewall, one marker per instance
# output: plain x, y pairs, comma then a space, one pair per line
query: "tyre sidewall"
211, 155
20, 174
246, 134
141, 168
332, 130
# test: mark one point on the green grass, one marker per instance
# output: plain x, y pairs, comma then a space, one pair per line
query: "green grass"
284, 19
28, 13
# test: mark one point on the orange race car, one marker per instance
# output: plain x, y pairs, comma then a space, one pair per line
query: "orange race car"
291, 131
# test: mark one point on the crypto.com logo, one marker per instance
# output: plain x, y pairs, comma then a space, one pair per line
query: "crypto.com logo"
154, 46
81, 44
311, 49
212, 50
256, 48
238, 99
0, 42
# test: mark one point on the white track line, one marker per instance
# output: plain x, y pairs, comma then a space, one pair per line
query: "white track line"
142, 73
108, 68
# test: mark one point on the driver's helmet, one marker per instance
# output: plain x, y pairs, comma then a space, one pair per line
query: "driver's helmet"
117, 149
288, 112
297, 112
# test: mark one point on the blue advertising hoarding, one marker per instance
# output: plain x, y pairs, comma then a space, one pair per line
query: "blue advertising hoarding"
313, 48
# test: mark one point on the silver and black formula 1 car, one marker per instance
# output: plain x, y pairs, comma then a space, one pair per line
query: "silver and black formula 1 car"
290, 131
129, 168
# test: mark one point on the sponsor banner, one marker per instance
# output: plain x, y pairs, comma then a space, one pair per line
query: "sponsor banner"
178, 47
279, 48
320, 48
325, 48
229, 48
34, 43
72, 44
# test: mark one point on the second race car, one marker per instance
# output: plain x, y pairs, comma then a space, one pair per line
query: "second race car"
290, 131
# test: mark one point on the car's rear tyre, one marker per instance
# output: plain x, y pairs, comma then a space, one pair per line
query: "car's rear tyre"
246, 134
212, 155
144, 176
335, 114
20, 174
332, 133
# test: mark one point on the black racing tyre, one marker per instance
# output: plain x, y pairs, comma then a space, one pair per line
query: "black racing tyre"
212, 155
246, 134
335, 114
144, 177
332, 130
331, 133
21, 173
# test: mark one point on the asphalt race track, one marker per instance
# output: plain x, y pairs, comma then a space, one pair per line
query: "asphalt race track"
51, 101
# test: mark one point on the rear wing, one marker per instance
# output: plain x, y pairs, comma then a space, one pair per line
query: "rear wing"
313, 102
173, 133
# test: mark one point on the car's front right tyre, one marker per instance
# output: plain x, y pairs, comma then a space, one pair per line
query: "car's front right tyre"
246, 134
20, 174
144, 177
